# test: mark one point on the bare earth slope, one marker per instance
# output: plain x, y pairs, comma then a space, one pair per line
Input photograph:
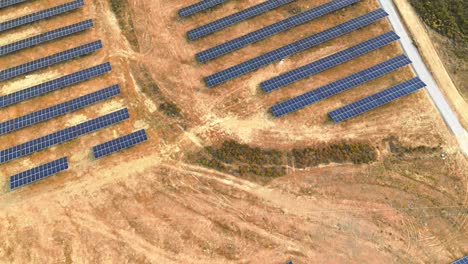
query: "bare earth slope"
151, 204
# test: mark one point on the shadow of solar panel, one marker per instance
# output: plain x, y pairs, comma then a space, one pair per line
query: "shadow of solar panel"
328, 62
230, 20
54, 85
50, 60
295, 47
272, 29
376, 100
118, 144
48, 36
339, 86
58, 110
6, 3
199, 7
462, 261
38, 173
47, 13
61, 136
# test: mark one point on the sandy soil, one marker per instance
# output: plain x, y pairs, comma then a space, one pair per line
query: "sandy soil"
146, 205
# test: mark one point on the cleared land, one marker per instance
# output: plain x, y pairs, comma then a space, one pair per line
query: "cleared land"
154, 203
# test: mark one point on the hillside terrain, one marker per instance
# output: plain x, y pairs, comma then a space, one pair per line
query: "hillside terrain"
220, 180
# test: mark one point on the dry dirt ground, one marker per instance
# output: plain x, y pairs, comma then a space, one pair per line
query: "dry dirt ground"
148, 205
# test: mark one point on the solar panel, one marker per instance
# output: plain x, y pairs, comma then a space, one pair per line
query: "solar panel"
54, 85
38, 173
376, 100
58, 110
339, 86
295, 47
328, 62
64, 135
230, 20
272, 29
47, 13
199, 7
462, 261
5, 3
45, 37
118, 144
50, 60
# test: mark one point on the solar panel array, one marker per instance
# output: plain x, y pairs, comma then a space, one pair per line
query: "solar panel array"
199, 7
50, 60
328, 62
48, 36
462, 261
54, 85
294, 47
118, 144
5, 3
38, 173
62, 136
58, 110
235, 18
339, 86
272, 29
376, 100
47, 13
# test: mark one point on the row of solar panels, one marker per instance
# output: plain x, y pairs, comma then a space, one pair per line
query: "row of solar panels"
6, 3
36, 117
463, 260
272, 29
199, 7
56, 166
233, 19
34, 17
50, 60
295, 47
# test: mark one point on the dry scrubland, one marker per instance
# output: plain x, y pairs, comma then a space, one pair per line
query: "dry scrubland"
220, 180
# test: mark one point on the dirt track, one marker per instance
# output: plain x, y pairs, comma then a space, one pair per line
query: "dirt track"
147, 205
433, 61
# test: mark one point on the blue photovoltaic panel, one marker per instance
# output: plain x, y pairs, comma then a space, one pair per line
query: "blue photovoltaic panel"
61, 136
235, 18
58, 110
462, 261
54, 85
38, 173
40, 15
50, 60
118, 144
272, 29
5, 3
328, 62
339, 86
294, 47
45, 37
199, 7
376, 100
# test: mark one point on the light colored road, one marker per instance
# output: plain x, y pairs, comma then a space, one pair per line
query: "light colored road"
420, 68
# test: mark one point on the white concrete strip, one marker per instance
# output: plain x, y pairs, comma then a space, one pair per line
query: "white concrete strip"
420, 68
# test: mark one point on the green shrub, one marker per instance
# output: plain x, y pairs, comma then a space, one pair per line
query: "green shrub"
449, 17
170, 109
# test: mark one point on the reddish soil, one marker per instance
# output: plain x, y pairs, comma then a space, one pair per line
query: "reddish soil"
147, 205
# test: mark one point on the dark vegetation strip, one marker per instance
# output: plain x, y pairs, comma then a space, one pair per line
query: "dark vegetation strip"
243, 160
449, 18
122, 12
149, 87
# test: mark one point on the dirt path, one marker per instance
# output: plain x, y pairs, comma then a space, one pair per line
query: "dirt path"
432, 59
